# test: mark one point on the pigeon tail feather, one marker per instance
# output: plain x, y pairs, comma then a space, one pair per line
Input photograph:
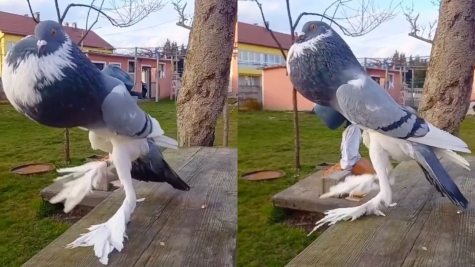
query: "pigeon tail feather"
438, 176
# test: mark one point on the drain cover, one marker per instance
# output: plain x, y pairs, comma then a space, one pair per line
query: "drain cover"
263, 175
34, 168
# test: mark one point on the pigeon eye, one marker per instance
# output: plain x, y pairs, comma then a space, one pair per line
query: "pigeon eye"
313, 27
53, 32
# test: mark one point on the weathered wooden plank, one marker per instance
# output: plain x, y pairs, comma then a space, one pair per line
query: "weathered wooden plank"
304, 195
153, 217
424, 229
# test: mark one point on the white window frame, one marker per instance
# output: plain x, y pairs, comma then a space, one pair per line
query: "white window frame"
128, 65
162, 75
100, 62
116, 63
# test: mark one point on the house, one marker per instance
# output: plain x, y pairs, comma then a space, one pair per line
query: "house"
277, 88
145, 67
14, 27
257, 49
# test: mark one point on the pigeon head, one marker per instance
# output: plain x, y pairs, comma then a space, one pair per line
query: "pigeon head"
50, 36
314, 29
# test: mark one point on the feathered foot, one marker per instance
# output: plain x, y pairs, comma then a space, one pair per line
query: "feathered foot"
107, 236
352, 184
85, 178
353, 213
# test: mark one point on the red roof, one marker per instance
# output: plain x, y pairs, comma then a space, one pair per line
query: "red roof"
22, 25
259, 35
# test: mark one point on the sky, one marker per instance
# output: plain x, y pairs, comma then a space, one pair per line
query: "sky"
150, 32
158, 26
381, 42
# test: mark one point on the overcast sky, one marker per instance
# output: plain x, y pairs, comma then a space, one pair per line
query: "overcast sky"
159, 26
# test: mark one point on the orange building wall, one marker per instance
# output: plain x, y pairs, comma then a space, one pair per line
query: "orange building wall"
165, 83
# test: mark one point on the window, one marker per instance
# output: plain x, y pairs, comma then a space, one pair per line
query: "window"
131, 67
161, 70
99, 65
258, 60
115, 64
10, 45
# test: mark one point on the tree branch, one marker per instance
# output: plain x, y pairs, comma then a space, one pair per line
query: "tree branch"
184, 20
129, 13
84, 34
417, 31
31, 11
58, 13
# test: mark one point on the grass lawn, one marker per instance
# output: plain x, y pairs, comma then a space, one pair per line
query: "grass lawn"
24, 228
266, 141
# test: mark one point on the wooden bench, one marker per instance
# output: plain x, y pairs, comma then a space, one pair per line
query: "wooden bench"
170, 228
423, 229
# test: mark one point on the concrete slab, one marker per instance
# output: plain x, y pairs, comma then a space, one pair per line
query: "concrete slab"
90, 200
305, 196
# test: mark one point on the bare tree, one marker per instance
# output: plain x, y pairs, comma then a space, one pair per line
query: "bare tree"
119, 13
184, 20
206, 79
448, 84
421, 32
359, 21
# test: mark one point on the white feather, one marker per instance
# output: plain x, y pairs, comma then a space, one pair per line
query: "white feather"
19, 84
441, 139
452, 156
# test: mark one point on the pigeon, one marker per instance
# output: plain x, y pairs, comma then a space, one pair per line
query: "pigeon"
324, 70
48, 78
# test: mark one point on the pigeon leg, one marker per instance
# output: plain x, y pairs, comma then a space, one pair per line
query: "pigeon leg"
110, 235
84, 179
380, 161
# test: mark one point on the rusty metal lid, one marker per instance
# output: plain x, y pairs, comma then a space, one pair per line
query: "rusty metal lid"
263, 175
33, 168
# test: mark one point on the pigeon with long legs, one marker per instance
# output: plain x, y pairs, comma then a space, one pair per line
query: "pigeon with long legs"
324, 70
49, 79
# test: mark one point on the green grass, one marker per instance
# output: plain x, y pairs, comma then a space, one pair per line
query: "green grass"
266, 142
23, 228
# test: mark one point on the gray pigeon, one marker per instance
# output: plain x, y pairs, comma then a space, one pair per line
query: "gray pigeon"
324, 70
48, 78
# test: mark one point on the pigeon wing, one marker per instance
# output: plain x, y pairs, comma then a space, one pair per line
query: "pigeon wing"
371, 107
122, 114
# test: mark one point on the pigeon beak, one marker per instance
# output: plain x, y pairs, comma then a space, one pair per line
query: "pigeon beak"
300, 37
41, 46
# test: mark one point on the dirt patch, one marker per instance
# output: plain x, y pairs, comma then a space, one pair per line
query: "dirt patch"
73, 216
304, 220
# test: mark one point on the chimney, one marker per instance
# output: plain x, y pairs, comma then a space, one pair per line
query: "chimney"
37, 16
66, 24
267, 24
26, 15
75, 25
296, 33
256, 24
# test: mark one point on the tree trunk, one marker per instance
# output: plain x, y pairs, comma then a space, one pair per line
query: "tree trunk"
206, 78
449, 80
66, 152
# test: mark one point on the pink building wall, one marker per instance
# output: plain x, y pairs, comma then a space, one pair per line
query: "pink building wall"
165, 82
277, 89
234, 63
